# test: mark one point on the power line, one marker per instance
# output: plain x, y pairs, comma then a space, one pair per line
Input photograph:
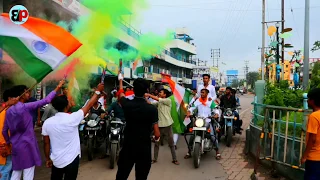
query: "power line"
249, 10
226, 22
295, 24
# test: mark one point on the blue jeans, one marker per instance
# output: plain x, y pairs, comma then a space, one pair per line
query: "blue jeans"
6, 170
312, 170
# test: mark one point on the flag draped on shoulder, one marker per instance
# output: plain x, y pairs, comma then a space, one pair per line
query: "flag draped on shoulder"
206, 103
37, 46
180, 97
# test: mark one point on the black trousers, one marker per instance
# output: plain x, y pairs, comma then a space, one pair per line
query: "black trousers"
138, 155
70, 172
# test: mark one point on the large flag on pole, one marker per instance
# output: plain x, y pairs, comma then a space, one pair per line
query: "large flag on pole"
179, 100
37, 46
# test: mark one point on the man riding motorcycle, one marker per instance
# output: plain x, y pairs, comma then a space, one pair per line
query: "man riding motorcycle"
204, 105
228, 100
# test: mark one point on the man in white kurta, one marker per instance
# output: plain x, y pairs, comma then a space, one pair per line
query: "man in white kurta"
212, 90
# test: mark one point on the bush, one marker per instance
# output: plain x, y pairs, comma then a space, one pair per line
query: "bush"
281, 95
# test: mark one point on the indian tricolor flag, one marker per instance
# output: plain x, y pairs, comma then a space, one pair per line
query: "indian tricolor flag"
37, 46
179, 100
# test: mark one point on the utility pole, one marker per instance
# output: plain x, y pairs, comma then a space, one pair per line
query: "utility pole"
263, 37
265, 65
215, 55
306, 45
246, 69
282, 41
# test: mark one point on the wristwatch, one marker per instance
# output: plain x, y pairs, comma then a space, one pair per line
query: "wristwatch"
98, 93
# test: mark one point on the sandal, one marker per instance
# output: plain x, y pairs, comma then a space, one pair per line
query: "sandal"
218, 157
153, 161
187, 156
175, 162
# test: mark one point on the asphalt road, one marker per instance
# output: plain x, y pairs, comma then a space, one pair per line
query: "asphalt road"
210, 168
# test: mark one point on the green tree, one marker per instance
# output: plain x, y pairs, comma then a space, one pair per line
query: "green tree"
235, 83
316, 46
315, 76
252, 77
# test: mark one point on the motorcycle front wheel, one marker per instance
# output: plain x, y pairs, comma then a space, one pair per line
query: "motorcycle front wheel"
229, 136
90, 149
113, 154
196, 155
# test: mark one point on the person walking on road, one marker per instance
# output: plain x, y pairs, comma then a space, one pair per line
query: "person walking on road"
311, 155
165, 123
61, 133
141, 118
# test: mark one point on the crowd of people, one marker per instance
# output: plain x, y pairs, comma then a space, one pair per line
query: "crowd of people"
144, 112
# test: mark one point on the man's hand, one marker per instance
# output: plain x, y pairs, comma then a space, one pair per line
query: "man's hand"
61, 83
156, 139
303, 160
12, 101
120, 77
209, 98
146, 95
100, 87
49, 163
39, 122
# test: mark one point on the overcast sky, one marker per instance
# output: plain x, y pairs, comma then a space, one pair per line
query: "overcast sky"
234, 26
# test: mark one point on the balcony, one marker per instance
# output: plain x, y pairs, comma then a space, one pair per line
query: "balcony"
180, 44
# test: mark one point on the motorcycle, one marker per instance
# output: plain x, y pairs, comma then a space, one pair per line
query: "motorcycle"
202, 142
93, 132
229, 128
115, 139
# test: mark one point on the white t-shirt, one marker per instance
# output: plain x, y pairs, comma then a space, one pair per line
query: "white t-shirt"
63, 132
211, 88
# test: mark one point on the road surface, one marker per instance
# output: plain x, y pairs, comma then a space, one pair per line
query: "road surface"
210, 168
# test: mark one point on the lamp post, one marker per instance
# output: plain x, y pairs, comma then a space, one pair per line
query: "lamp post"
278, 67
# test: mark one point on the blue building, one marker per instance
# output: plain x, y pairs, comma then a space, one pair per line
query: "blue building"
231, 75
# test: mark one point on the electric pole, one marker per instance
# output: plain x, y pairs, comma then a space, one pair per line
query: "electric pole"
306, 45
263, 37
215, 55
246, 69
282, 41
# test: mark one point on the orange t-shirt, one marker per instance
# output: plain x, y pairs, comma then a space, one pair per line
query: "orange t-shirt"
2, 140
313, 127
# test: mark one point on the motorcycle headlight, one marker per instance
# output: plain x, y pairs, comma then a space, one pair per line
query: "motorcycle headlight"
199, 122
92, 123
115, 131
229, 113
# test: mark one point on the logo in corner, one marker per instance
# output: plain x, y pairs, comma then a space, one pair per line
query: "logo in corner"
40, 46
19, 14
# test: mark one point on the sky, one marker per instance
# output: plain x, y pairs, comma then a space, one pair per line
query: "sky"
234, 26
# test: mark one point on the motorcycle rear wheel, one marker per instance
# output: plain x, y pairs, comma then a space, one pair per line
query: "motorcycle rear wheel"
196, 155
113, 154
90, 149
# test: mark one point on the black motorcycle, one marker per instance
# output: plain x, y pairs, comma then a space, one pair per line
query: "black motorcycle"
93, 131
115, 139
